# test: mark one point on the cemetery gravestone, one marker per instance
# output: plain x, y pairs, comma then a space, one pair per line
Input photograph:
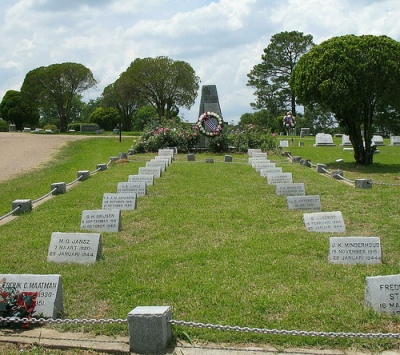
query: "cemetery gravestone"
166, 153
355, 250
101, 220
139, 188
250, 152
304, 203
377, 140
395, 140
191, 157
49, 302
261, 165
382, 293
265, 171
323, 140
346, 141
155, 171
291, 189
279, 178
324, 222
167, 159
259, 155
209, 100
119, 201
147, 178
284, 144
155, 163
252, 161
81, 248
304, 132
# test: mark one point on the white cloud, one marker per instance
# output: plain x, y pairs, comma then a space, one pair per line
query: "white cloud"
222, 40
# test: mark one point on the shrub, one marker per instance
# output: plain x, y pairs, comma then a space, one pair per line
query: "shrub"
251, 136
3, 126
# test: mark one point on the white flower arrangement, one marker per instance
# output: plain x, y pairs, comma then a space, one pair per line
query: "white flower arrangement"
206, 120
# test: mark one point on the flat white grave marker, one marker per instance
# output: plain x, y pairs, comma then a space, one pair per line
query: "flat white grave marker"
324, 222
101, 220
355, 250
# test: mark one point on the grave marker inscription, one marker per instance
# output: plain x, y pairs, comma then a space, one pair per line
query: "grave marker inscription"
304, 203
324, 222
101, 220
355, 250
119, 201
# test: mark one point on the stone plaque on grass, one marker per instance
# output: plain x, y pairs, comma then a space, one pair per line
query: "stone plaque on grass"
166, 153
355, 250
147, 178
291, 189
327, 222
279, 178
250, 152
265, 171
167, 159
284, 143
346, 141
81, 248
382, 293
323, 139
101, 220
377, 140
253, 161
395, 140
119, 201
262, 165
155, 171
139, 188
259, 155
304, 203
156, 163
49, 302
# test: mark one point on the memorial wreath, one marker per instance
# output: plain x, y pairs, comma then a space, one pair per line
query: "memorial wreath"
210, 124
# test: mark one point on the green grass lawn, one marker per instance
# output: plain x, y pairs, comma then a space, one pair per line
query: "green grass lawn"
215, 243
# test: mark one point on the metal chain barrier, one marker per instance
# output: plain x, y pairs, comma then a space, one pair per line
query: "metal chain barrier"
286, 332
10, 213
43, 197
61, 321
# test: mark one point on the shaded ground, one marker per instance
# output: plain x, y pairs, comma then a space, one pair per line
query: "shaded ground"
21, 152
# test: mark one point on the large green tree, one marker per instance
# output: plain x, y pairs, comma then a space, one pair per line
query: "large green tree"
351, 76
163, 83
57, 84
271, 77
15, 110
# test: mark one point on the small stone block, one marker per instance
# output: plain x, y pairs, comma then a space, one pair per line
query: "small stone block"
149, 329
122, 156
337, 174
209, 160
101, 167
228, 158
113, 159
191, 157
321, 168
363, 184
296, 159
25, 206
59, 188
83, 175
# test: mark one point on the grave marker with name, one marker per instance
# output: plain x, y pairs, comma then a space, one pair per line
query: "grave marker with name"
156, 163
253, 161
323, 139
355, 250
166, 153
291, 189
154, 170
284, 143
382, 293
263, 165
147, 178
304, 203
49, 302
259, 155
209, 100
265, 171
81, 248
395, 140
101, 220
138, 188
377, 140
279, 178
327, 222
119, 201
346, 141
167, 159
250, 152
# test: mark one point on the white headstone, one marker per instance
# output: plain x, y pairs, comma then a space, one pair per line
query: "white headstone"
382, 293
324, 222
346, 140
304, 203
263, 165
154, 163
355, 250
166, 152
284, 143
49, 302
101, 220
81, 248
147, 178
259, 155
139, 188
165, 158
279, 178
265, 171
119, 201
377, 140
291, 189
323, 139
251, 151
155, 171
254, 161
395, 140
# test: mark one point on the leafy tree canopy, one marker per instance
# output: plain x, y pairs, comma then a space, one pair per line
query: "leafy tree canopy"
57, 84
162, 82
271, 77
351, 76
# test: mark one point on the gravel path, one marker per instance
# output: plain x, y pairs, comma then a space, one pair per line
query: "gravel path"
21, 152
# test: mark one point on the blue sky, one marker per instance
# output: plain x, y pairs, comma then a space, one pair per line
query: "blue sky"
222, 40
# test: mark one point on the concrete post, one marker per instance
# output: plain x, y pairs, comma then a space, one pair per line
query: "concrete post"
25, 206
321, 168
363, 184
149, 329
296, 159
83, 174
102, 167
61, 188
191, 157
228, 158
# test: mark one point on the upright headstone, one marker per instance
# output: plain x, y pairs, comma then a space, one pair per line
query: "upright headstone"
263, 165
147, 178
138, 188
304, 203
377, 140
49, 302
101, 220
304, 132
209, 100
150, 170
155, 163
382, 293
167, 159
265, 171
346, 141
324, 222
279, 178
250, 152
355, 250
291, 189
395, 140
119, 201
253, 161
323, 140
284, 143
81, 248
259, 155
166, 153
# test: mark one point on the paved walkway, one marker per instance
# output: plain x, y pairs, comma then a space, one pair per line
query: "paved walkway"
119, 345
